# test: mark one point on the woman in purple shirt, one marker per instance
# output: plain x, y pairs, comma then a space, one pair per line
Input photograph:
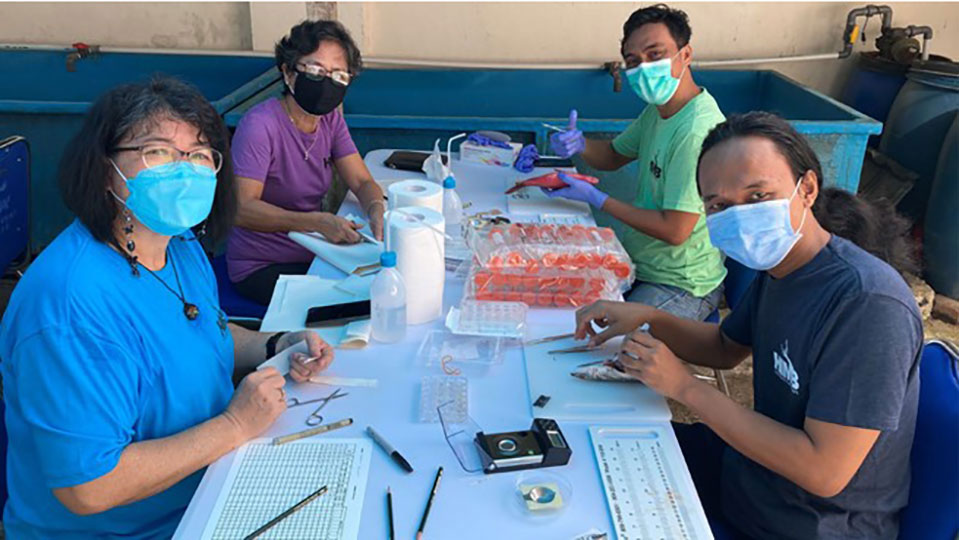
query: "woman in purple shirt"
284, 153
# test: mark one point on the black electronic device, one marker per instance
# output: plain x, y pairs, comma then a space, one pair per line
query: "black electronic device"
337, 314
542, 445
409, 161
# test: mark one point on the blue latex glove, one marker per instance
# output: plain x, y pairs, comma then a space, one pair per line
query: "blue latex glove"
483, 140
570, 142
526, 159
578, 190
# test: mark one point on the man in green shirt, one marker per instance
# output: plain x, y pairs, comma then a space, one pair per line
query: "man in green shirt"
677, 268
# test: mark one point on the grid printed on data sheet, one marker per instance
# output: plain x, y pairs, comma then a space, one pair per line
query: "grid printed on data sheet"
264, 480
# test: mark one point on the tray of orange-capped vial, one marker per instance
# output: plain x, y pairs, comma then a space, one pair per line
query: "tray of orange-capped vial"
546, 288
547, 265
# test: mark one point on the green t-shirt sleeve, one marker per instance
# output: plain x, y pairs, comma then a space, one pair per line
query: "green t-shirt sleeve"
627, 142
679, 183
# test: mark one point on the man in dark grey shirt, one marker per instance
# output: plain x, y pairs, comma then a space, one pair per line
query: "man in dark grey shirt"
836, 340
834, 333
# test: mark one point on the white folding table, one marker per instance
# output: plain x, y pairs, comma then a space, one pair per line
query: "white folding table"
467, 506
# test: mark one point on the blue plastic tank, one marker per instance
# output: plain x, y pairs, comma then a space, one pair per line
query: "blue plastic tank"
917, 124
872, 87
941, 242
44, 95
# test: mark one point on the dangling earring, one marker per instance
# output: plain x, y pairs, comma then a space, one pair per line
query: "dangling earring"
130, 244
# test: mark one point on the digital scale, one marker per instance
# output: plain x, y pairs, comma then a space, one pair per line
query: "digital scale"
648, 488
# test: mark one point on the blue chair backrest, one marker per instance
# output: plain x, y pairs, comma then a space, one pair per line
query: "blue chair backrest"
3, 456
933, 509
231, 302
14, 200
738, 279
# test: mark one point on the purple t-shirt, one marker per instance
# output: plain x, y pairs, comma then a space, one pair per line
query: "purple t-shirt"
267, 147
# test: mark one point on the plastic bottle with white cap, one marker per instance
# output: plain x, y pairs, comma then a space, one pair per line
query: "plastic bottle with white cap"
388, 301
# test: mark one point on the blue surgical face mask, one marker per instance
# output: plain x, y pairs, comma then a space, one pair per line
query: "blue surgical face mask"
654, 81
758, 235
171, 198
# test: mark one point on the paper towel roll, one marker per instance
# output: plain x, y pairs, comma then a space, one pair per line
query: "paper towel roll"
420, 259
416, 193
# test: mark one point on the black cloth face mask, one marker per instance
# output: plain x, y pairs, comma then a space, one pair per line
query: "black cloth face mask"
317, 96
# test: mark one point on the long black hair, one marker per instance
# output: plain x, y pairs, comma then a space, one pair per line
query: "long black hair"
875, 227
85, 168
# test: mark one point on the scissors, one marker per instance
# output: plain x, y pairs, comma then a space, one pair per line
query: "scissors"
315, 417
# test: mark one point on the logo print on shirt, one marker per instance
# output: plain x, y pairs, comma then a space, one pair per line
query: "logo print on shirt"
783, 367
654, 167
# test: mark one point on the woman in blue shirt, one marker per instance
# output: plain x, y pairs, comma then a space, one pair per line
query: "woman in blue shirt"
117, 362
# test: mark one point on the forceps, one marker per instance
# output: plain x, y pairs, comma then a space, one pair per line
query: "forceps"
315, 417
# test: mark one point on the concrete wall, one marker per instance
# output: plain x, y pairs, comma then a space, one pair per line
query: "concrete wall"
179, 25
471, 31
582, 31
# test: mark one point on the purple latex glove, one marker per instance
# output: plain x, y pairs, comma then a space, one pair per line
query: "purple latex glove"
578, 191
526, 160
483, 140
570, 142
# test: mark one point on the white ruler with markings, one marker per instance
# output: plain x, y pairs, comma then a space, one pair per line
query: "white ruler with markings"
648, 488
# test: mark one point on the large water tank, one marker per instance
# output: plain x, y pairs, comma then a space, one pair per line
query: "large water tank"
917, 124
873, 85
941, 243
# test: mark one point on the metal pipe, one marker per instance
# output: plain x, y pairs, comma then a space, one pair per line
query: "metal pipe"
604, 66
134, 50
461, 64
769, 60
449, 64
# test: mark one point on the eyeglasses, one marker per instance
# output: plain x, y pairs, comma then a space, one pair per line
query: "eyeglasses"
155, 155
317, 73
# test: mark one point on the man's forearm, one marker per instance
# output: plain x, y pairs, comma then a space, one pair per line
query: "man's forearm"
654, 223
782, 449
599, 154
696, 342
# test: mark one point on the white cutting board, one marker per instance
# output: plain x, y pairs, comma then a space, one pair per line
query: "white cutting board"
576, 400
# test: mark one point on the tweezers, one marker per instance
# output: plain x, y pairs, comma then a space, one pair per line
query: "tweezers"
571, 350
547, 339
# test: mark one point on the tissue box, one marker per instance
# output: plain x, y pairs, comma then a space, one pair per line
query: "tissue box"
490, 155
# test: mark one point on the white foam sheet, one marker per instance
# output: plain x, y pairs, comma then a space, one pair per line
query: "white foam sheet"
573, 399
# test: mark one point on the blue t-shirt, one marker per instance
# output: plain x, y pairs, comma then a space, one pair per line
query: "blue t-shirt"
837, 340
95, 359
